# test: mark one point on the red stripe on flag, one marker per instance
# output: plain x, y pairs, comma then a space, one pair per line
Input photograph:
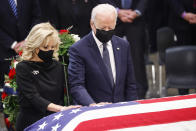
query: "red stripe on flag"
167, 99
136, 120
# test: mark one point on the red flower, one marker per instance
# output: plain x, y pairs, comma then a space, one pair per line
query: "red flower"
65, 91
20, 53
63, 31
3, 95
7, 122
12, 73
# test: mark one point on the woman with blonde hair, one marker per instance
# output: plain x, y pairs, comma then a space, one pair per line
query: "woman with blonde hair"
40, 77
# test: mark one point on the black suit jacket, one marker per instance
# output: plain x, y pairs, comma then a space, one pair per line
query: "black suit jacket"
177, 7
12, 29
50, 12
77, 14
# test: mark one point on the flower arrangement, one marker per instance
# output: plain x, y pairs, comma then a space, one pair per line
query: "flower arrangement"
67, 40
9, 96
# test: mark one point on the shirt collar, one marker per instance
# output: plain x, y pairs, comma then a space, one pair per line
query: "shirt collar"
15, 2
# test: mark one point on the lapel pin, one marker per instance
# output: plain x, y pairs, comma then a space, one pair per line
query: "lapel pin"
118, 48
35, 72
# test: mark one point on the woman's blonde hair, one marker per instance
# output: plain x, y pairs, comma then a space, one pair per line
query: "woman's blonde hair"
40, 35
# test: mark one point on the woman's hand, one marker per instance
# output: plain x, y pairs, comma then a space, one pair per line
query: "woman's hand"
70, 107
56, 108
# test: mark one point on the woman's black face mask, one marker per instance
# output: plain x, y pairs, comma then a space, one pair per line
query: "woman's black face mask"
104, 36
46, 56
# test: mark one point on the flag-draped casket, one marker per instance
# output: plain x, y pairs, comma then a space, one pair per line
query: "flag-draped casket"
162, 114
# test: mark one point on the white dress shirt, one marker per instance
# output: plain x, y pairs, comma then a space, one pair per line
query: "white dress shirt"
111, 54
15, 1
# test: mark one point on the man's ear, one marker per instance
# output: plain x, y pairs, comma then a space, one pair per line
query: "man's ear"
93, 26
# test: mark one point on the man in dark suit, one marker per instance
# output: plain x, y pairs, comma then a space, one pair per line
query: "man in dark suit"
131, 24
50, 12
182, 20
76, 13
156, 17
100, 66
17, 18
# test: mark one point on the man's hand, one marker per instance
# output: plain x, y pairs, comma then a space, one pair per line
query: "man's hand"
124, 15
127, 16
193, 20
190, 17
133, 15
18, 46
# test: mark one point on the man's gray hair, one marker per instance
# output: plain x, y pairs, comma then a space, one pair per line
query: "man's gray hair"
103, 8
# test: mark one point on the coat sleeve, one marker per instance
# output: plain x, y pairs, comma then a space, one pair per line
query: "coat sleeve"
6, 40
141, 6
28, 90
176, 6
76, 76
131, 91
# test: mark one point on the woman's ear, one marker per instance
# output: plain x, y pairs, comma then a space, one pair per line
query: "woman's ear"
36, 51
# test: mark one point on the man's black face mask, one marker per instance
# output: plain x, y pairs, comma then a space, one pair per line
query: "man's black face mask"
104, 36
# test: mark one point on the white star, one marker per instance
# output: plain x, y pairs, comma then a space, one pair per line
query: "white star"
54, 128
122, 102
75, 111
57, 117
41, 127
99, 105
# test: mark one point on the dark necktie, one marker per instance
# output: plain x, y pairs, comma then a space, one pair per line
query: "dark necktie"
126, 4
106, 60
13, 6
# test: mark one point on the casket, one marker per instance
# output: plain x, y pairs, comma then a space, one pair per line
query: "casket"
162, 114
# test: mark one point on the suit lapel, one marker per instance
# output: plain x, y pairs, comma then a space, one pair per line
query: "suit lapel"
98, 58
117, 57
19, 7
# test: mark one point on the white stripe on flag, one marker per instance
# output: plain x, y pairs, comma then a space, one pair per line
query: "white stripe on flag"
178, 126
132, 109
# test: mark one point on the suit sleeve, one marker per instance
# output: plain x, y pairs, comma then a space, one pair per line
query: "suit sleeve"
176, 6
141, 6
76, 76
6, 40
131, 92
28, 90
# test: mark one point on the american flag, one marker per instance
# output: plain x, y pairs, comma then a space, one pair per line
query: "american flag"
161, 114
